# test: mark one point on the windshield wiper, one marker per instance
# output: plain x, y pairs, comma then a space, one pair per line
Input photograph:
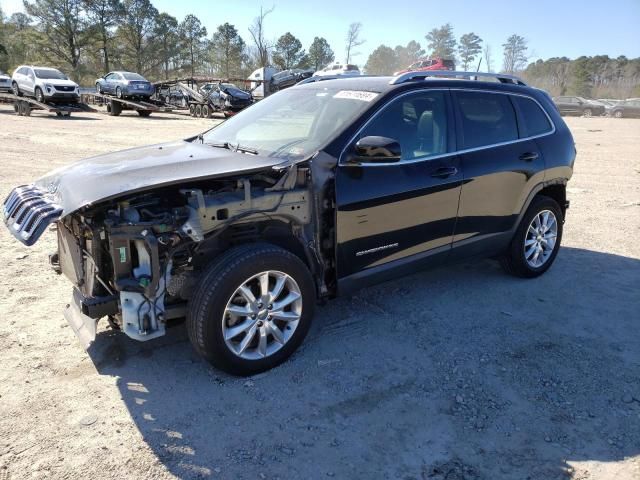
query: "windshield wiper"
234, 148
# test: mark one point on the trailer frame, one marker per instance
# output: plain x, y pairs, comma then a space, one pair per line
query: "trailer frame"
23, 106
115, 106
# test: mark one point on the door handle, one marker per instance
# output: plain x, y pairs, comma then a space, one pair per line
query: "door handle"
529, 156
444, 172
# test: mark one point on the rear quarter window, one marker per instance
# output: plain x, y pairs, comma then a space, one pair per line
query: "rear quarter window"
533, 120
487, 118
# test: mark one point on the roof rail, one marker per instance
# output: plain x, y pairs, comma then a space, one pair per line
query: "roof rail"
421, 75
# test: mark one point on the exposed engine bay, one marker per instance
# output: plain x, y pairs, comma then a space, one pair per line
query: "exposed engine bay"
136, 260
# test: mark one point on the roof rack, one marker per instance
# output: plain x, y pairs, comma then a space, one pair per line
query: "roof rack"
421, 75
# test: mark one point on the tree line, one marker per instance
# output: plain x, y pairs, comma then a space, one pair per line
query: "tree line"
593, 77
87, 38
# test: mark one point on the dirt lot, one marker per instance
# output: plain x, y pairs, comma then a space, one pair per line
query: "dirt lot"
457, 373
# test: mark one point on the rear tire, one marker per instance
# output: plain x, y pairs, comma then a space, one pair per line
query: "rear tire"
144, 113
206, 112
198, 110
516, 260
192, 110
119, 93
210, 321
618, 114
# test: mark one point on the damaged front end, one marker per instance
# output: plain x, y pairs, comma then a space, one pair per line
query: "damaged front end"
135, 259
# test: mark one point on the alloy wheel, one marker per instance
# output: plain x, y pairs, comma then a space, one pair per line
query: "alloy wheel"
540, 239
262, 315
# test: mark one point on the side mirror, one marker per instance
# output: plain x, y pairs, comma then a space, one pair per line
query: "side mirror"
377, 149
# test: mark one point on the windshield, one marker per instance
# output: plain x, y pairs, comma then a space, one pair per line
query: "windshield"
48, 74
293, 123
133, 76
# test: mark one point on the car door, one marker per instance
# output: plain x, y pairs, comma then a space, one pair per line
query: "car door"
111, 82
29, 81
563, 104
394, 216
18, 76
501, 165
633, 108
576, 106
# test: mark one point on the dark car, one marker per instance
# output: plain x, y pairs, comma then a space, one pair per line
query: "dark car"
578, 106
288, 78
226, 97
311, 193
173, 95
629, 108
125, 85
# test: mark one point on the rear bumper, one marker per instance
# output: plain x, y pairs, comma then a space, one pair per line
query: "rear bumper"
138, 92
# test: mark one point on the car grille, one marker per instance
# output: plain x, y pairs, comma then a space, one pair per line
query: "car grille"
65, 89
27, 213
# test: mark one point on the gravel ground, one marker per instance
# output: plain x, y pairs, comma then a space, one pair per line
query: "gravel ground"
456, 373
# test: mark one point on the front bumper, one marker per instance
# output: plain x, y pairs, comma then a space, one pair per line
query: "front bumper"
82, 325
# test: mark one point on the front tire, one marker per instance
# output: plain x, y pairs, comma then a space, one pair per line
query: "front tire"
119, 93
39, 95
252, 308
536, 242
16, 89
618, 114
587, 112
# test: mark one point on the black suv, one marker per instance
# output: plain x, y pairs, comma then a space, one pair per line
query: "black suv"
311, 193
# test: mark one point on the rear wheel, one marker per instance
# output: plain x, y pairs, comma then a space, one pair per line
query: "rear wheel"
537, 240
192, 110
251, 309
119, 92
618, 114
206, 112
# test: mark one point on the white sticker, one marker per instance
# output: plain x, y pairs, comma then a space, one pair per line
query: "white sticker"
356, 95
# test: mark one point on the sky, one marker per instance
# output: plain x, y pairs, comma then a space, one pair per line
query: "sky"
552, 28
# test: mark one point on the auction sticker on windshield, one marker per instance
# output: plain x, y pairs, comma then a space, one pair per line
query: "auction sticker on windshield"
356, 95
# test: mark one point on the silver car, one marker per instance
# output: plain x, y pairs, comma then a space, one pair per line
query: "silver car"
5, 82
125, 85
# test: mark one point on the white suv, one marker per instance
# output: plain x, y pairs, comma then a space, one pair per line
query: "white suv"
44, 83
338, 69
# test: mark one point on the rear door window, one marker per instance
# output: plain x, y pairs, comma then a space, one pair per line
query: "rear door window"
487, 118
533, 121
